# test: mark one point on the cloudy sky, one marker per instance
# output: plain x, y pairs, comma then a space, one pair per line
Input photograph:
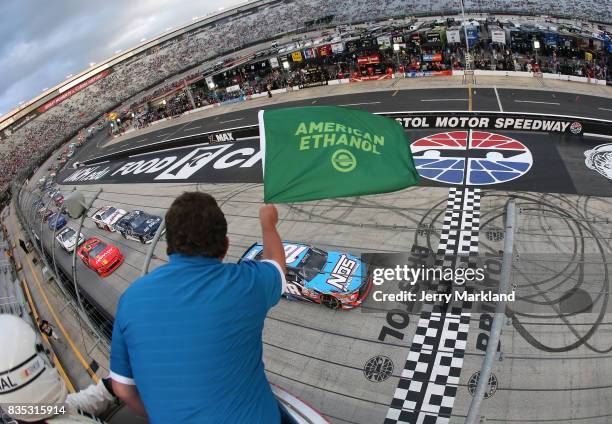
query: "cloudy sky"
42, 42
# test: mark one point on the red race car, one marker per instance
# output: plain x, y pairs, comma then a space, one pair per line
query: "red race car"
101, 257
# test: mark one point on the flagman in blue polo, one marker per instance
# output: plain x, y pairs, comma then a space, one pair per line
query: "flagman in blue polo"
323, 152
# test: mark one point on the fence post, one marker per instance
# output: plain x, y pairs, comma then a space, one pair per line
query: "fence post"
151, 249
74, 252
498, 320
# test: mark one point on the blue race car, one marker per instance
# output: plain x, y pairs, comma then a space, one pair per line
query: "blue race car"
139, 226
335, 279
57, 221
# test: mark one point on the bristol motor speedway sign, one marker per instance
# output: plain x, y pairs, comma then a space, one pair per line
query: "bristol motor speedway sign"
491, 122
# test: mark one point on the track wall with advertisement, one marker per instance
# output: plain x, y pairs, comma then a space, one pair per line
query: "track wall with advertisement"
525, 152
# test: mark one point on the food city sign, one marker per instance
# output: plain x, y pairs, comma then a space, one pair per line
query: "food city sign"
523, 123
216, 163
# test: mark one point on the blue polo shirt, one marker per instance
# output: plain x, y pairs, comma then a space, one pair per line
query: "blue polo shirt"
189, 335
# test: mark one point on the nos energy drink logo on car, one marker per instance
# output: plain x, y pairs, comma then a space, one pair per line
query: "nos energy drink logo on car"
471, 157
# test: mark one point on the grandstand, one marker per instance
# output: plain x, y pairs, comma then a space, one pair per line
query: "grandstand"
26, 131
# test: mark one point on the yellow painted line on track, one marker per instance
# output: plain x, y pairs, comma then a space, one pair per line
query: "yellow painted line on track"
56, 360
82, 360
470, 97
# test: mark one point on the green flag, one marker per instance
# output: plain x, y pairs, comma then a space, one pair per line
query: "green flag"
322, 152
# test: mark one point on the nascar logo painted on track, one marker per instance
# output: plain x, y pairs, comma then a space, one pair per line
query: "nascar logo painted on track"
491, 158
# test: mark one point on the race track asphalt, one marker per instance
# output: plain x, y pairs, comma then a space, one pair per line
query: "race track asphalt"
554, 364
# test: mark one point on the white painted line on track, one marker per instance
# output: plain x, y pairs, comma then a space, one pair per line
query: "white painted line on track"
231, 120
603, 108
358, 104
540, 103
161, 135
193, 128
597, 135
501, 109
444, 100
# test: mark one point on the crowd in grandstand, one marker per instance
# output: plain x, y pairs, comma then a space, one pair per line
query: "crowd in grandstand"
129, 81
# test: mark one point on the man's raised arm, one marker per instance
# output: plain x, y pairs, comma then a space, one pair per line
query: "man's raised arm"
272, 243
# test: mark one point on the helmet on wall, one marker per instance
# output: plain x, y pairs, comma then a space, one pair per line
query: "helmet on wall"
27, 376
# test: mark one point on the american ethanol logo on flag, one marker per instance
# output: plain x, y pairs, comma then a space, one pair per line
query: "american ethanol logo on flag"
322, 152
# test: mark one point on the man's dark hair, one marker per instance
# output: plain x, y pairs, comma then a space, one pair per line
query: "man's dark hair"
196, 226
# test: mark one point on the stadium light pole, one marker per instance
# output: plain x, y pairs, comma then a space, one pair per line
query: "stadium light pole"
467, 44
396, 49
536, 47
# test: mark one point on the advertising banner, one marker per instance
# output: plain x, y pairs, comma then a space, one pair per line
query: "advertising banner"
498, 36
550, 39
325, 50
274, 62
398, 39
296, 56
384, 42
337, 48
433, 37
472, 34
68, 93
366, 60
371, 78
419, 74
453, 36
432, 57
232, 88
112, 116
583, 43
232, 101
233, 155
309, 53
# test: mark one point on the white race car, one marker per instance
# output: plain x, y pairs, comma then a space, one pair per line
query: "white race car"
106, 217
68, 240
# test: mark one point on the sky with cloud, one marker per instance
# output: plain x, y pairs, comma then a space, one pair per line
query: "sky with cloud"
42, 42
